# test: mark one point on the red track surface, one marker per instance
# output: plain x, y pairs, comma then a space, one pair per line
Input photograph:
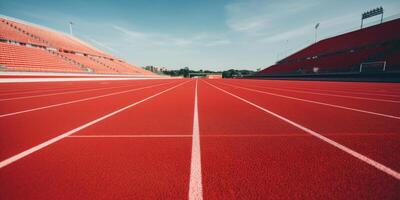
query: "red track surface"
134, 140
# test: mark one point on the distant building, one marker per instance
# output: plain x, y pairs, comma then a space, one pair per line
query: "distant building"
150, 68
205, 75
214, 76
155, 68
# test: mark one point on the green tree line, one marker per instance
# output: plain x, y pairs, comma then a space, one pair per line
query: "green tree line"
231, 73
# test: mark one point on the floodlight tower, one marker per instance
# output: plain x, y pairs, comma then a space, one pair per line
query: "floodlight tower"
316, 29
70, 27
371, 13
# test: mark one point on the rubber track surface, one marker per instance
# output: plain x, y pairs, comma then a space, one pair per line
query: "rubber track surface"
132, 139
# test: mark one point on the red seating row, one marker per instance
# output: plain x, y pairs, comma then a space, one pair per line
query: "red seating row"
70, 50
121, 66
346, 52
90, 63
136, 69
9, 33
54, 39
22, 57
371, 35
342, 62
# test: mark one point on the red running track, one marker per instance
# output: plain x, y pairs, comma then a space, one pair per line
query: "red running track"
211, 139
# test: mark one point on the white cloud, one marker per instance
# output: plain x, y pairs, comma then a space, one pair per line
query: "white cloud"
157, 39
218, 42
328, 26
288, 35
258, 16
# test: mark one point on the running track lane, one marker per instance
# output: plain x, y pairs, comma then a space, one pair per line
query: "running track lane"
123, 186
321, 89
136, 166
288, 164
374, 104
42, 125
379, 135
67, 87
22, 89
153, 117
13, 88
332, 86
11, 105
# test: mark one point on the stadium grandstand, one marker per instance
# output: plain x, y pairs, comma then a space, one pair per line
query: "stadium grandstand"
372, 49
26, 47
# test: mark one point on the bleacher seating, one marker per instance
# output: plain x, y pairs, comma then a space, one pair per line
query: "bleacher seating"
121, 66
22, 58
22, 42
112, 64
136, 69
345, 53
9, 33
55, 39
90, 63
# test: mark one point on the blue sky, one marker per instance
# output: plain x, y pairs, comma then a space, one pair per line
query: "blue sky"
206, 34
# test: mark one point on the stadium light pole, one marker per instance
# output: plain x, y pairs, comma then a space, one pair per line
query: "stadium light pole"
371, 13
316, 28
70, 27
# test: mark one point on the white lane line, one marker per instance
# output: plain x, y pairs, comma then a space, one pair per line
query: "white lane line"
60, 93
228, 135
66, 134
357, 155
128, 136
195, 184
35, 90
347, 92
31, 80
79, 100
326, 94
315, 102
300, 135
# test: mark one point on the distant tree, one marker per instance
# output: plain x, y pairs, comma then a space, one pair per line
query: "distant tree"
184, 72
231, 73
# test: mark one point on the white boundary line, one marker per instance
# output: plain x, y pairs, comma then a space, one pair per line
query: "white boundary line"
195, 184
316, 102
79, 100
128, 136
298, 135
357, 155
326, 94
225, 135
38, 90
68, 133
30, 80
60, 93
346, 92
55, 74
